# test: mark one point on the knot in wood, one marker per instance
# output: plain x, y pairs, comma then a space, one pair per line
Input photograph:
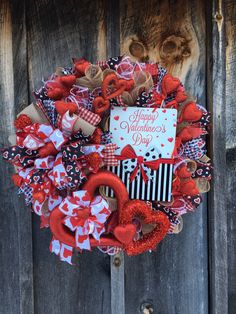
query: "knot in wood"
174, 49
146, 308
137, 49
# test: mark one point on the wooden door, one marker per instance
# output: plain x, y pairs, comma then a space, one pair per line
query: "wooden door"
188, 273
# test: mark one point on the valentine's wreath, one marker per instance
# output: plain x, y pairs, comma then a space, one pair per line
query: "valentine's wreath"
111, 155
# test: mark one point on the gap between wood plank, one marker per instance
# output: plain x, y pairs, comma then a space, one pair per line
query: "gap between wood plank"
117, 261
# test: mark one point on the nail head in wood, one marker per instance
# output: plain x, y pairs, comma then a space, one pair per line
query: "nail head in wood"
117, 261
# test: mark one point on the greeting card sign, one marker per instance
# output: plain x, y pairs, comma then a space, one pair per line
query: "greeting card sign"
145, 138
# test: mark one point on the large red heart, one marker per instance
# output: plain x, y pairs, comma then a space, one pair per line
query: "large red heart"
127, 211
149, 241
94, 181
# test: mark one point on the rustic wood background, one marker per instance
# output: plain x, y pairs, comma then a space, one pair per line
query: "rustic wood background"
190, 273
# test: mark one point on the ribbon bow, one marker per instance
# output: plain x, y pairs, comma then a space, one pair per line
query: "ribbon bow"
85, 216
129, 153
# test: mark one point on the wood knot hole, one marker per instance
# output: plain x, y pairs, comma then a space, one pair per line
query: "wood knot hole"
137, 49
174, 49
146, 308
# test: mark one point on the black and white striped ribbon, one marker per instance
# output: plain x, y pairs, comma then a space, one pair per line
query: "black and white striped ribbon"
158, 189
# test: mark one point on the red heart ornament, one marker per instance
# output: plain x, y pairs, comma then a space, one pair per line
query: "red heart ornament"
188, 133
102, 178
127, 211
180, 95
169, 84
100, 105
149, 241
119, 86
190, 113
125, 234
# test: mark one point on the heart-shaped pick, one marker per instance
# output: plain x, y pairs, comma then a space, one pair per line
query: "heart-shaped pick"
190, 113
136, 208
180, 96
125, 234
100, 105
188, 133
169, 84
119, 86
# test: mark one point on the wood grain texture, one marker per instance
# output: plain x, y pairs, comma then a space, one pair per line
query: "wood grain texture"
174, 279
216, 76
58, 31
24, 218
117, 284
15, 232
230, 23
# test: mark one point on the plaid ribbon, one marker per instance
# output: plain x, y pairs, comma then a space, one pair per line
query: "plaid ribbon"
86, 115
108, 155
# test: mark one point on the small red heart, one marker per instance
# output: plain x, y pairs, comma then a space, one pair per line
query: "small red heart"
164, 110
174, 125
170, 139
188, 133
124, 109
180, 96
169, 84
122, 138
116, 118
100, 105
125, 234
162, 145
197, 200
191, 113
62, 107
68, 80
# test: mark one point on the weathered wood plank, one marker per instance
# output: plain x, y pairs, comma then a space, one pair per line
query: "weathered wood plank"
15, 231
117, 284
230, 23
24, 218
58, 31
216, 76
175, 278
